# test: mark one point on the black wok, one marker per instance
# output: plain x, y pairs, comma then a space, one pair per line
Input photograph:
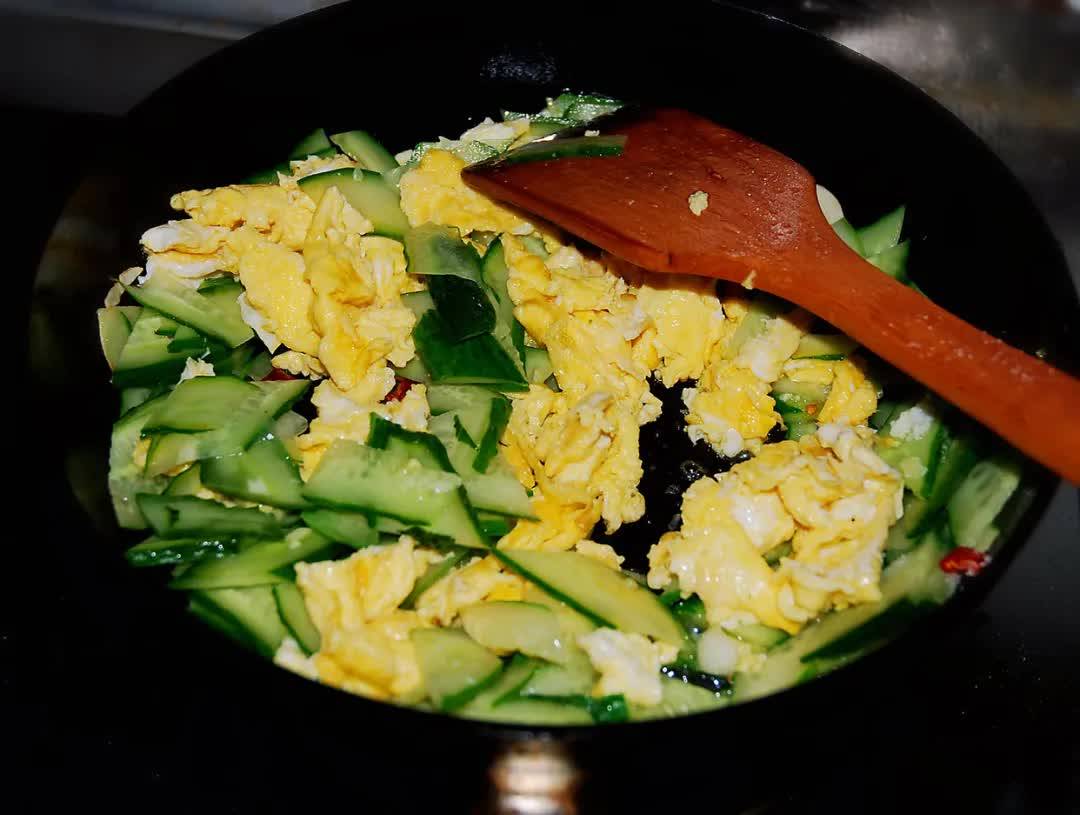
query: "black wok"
203, 723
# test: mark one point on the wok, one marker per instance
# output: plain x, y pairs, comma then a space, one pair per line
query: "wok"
202, 721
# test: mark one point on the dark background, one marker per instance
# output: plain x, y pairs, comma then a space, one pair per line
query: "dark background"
990, 721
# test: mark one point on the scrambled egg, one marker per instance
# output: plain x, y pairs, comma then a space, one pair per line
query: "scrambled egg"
829, 493
354, 605
627, 663
481, 580
851, 399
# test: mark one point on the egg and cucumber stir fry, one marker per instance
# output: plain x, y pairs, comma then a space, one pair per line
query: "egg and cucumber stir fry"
400, 439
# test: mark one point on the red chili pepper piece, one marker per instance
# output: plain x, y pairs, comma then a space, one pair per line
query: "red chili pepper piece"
278, 375
401, 387
963, 560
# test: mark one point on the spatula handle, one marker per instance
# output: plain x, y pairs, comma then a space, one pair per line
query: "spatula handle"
1033, 405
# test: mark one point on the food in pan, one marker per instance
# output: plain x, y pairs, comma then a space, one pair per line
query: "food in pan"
414, 445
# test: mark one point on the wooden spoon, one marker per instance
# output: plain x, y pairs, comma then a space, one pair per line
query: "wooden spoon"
763, 227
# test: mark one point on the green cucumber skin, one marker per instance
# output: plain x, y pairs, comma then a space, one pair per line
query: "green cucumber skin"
478, 360
361, 146
312, 144
462, 305
561, 150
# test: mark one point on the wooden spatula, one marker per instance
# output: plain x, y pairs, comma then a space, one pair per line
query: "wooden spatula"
763, 227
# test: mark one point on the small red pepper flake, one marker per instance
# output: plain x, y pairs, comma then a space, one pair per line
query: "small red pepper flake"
963, 560
401, 387
278, 375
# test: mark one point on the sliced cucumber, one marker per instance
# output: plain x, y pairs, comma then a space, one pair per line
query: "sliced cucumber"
976, 503
189, 482
170, 551
261, 564
502, 701
414, 371
351, 528
185, 516
294, 614
508, 626
204, 403
507, 331
422, 447
312, 144
916, 457
114, 328
495, 526
463, 306
249, 615
368, 193
604, 595
574, 676
538, 365
390, 483
754, 323
496, 490
893, 261
170, 450
126, 478
914, 577
418, 302
760, 637
434, 250
263, 473
824, 346
798, 396
362, 147
959, 455
145, 358
848, 234
559, 149
883, 234
455, 668
478, 360
436, 572
478, 413
188, 341
679, 699
210, 316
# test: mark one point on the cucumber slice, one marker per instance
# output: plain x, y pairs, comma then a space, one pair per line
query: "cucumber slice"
259, 565
418, 302
497, 490
575, 676
189, 482
263, 473
527, 628
312, 144
188, 341
478, 360
915, 577
436, 572
606, 596
294, 614
495, 526
169, 551
893, 261
210, 316
679, 699
362, 147
762, 309
690, 610
455, 668
173, 449
557, 149
883, 234
249, 615
145, 358
502, 702
423, 447
797, 424
389, 483
204, 403
114, 328
978, 500
351, 528
507, 331
538, 365
916, 457
959, 455
824, 346
126, 479
792, 396
131, 398
185, 516
761, 637
434, 250
368, 193
848, 234
414, 371
462, 305
587, 108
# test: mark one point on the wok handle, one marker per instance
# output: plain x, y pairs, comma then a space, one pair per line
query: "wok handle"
533, 777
